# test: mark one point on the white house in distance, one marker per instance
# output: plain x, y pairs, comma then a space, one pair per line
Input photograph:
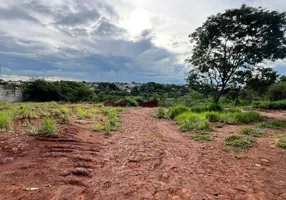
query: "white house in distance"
10, 94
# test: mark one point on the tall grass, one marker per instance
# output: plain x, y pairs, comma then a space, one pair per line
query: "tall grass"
271, 105
175, 111
239, 141
49, 127
6, 120
191, 121
207, 108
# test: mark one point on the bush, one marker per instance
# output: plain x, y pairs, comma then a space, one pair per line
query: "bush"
277, 91
239, 141
192, 121
6, 120
252, 132
83, 113
276, 124
282, 142
175, 111
161, 114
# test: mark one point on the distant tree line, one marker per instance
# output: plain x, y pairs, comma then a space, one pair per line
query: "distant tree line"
68, 91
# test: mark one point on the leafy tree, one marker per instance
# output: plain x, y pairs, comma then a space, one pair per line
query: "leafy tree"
277, 91
283, 78
42, 90
234, 40
257, 79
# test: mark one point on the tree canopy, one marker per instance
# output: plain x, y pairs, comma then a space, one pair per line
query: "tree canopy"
235, 40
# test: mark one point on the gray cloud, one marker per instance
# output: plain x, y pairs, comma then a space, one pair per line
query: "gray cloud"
93, 39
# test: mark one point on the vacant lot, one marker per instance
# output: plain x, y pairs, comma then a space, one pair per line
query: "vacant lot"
96, 155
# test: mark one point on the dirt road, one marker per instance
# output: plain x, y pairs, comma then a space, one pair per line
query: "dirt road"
148, 159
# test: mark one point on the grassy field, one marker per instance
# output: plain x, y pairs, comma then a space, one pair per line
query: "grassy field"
43, 119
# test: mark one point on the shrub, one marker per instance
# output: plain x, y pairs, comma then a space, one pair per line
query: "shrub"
252, 132
276, 124
239, 141
192, 121
6, 120
175, 111
161, 114
277, 91
282, 142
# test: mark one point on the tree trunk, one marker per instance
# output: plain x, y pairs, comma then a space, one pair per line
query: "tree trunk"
217, 98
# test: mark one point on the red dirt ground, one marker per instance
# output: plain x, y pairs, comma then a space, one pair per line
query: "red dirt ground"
148, 159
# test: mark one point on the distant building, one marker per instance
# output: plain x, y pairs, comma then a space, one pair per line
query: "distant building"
10, 94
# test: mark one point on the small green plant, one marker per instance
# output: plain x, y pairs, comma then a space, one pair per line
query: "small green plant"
212, 116
252, 132
98, 127
202, 137
175, 111
239, 141
276, 124
161, 114
64, 118
282, 142
27, 113
83, 113
207, 108
192, 121
49, 128
6, 120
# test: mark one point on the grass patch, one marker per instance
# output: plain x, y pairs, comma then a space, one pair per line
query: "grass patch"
49, 128
255, 132
6, 120
175, 111
161, 114
276, 124
281, 143
239, 141
207, 108
202, 137
83, 113
64, 119
192, 121
271, 105
240, 117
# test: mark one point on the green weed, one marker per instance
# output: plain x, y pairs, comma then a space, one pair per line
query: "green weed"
6, 120
239, 141
161, 114
175, 111
276, 124
252, 132
282, 142
192, 121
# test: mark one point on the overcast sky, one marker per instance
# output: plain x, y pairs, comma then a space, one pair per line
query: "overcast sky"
111, 40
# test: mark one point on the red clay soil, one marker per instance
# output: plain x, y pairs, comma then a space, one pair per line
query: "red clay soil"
149, 159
